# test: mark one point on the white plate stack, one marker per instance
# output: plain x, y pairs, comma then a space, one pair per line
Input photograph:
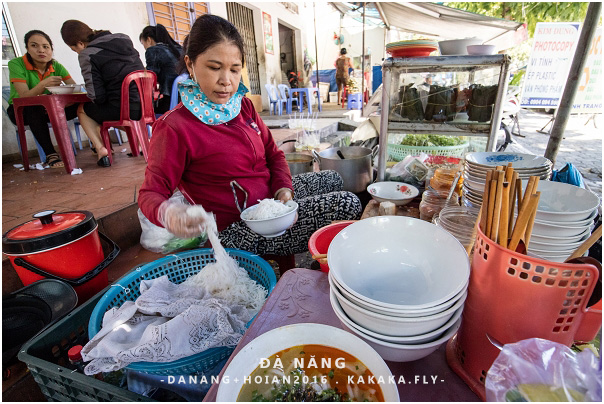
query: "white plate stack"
564, 219
389, 287
477, 164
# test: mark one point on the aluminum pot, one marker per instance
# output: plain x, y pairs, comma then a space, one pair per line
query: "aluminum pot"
299, 163
353, 163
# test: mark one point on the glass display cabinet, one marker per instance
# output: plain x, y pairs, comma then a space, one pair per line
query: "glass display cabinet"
443, 95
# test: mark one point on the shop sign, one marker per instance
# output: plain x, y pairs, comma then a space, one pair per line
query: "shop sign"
588, 99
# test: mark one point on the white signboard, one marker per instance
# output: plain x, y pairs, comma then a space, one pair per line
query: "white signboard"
553, 50
588, 99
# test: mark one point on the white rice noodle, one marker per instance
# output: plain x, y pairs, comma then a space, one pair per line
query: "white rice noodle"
267, 209
224, 279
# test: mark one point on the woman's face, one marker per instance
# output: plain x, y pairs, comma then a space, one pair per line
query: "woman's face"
39, 49
218, 71
147, 43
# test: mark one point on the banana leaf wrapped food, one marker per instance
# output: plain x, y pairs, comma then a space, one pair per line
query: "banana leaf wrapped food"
441, 103
481, 102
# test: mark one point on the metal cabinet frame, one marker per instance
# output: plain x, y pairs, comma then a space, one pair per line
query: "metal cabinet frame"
392, 68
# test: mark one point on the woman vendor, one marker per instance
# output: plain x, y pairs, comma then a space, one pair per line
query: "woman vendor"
215, 148
31, 75
105, 59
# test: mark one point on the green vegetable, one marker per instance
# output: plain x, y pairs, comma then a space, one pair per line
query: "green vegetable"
183, 243
299, 392
432, 140
330, 374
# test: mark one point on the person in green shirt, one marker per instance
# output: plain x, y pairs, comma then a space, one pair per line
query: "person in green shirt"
30, 76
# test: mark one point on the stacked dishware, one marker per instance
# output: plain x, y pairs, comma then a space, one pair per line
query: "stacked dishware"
389, 287
459, 221
477, 164
564, 219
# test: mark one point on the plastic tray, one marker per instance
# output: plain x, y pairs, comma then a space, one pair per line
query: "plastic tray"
179, 267
398, 152
59, 383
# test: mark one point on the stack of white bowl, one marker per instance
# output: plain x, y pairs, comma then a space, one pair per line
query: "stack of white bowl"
564, 219
477, 164
390, 287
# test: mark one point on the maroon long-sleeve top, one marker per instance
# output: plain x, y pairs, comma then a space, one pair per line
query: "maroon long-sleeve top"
203, 160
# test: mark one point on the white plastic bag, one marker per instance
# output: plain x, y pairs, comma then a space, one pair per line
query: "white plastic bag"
536, 369
159, 240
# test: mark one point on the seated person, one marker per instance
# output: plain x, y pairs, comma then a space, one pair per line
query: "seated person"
30, 75
216, 149
162, 54
105, 59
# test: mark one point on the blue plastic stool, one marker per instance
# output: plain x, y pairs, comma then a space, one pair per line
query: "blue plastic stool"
354, 101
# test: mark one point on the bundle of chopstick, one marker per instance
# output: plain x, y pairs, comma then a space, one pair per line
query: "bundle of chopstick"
502, 197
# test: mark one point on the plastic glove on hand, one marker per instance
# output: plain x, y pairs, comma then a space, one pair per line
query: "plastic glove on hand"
175, 218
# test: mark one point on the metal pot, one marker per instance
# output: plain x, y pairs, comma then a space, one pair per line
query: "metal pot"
299, 163
354, 167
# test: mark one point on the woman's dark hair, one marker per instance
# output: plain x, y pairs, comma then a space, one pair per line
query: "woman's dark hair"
160, 34
28, 37
74, 31
209, 30
343, 51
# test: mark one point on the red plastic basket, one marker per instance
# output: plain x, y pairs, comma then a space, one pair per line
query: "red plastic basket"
320, 239
512, 297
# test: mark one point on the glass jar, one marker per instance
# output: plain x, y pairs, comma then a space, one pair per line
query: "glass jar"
432, 203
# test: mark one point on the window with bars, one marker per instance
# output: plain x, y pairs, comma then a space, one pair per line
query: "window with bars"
176, 17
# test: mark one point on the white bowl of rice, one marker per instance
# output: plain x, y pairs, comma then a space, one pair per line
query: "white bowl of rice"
270, 218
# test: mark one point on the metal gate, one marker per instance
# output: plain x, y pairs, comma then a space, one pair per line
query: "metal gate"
242, 18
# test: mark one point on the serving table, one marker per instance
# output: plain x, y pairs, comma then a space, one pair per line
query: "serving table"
307, 91
302, 296
55, 107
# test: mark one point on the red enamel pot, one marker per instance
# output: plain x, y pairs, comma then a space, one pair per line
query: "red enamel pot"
65, 246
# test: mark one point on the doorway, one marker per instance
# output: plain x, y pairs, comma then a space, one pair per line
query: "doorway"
242, 18
288, 52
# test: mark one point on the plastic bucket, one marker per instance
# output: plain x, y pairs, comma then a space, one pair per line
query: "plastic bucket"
320, 239
65, 246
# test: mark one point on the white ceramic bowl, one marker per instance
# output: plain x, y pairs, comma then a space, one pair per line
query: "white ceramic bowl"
278, 339
66, 89
405, 352
559, 240
413, 340
519, 161
481, 49
273, 227
398, 193
560, 230
584, 222
396, 326
457, 46
537, 245
390, 261
409, 313
560, 202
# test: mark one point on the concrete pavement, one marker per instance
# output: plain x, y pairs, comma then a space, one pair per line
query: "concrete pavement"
581, 146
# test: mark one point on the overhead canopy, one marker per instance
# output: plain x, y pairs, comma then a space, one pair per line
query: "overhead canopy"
440, 21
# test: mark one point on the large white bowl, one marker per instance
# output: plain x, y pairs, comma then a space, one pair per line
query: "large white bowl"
66, 89
273, 227
390, 191
520, 161
405, 352
278, 339
560, 230
398, 262
396, 326
560, 240
576, 223
428, 311
560, 202
457, 46
553, 247
481, 49
413, 340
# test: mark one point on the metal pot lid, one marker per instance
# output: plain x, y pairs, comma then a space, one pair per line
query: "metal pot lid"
48, 230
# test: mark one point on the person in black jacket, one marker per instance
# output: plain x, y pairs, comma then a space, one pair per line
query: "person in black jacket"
105, 59
161, 54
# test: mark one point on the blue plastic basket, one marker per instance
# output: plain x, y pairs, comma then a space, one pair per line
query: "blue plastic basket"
178, 267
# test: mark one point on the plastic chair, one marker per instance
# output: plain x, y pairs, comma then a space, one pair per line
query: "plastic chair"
276, 102
136, 131
287, 95
174, 96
